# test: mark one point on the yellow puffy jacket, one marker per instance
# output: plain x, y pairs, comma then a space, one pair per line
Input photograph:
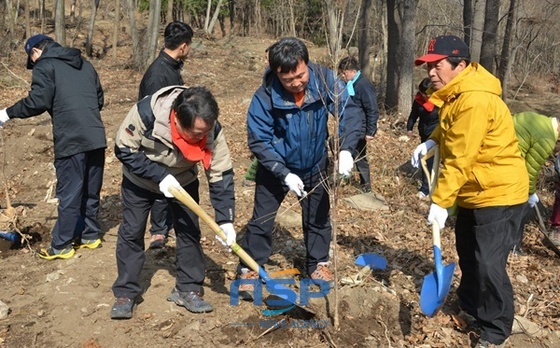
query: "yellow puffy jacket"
481, 162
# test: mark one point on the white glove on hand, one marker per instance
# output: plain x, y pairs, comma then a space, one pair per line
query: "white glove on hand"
533, 200
3, 117
345, 163
295, 185
166, 183
420, 151
230, 234
437, 214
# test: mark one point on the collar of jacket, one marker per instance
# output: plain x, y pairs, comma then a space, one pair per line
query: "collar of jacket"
176, 64
474, 78
283, 99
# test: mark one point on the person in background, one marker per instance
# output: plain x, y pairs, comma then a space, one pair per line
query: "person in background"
537, 135
287, 133
483, 171
160, 143
427, 115
165, 71
67, 86
364, 95
554, 233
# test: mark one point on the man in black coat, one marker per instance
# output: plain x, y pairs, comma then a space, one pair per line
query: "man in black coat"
364, 95
165, 71
67, 87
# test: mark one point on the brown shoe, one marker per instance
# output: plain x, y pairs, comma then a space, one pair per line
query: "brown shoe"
157, 241
322, 272
247, 291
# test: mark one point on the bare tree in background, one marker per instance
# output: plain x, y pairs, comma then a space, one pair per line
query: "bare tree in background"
116, 27
508, 55
89, 39
152, 32
363, 38
473, 23
59, 23
489, 36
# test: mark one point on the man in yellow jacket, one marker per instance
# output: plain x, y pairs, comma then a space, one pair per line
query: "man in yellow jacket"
484, 172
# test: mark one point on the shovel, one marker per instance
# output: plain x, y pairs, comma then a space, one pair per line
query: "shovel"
436, 285
369, 261
281, 291
544, 231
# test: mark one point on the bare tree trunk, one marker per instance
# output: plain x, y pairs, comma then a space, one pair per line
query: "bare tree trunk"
333, 32
89, 39
292, 18
59, 24
489, 43
363, 38
169, 13
408, 42
214, 18
136, 48
116, 28
506, 58
153, 31
207, 18
27, 20
394, 42
477, 29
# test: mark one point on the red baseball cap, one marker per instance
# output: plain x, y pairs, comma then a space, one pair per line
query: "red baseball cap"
442, 47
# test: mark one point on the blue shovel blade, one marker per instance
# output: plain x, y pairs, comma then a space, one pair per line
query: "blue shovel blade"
435, 290
372, 260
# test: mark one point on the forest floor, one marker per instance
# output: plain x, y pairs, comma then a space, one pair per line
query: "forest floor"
66, 303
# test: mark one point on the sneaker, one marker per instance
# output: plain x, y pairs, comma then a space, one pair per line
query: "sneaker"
52, 253
88, 243
554, 237
464, 321
517, 251
421, 195
157, 241
248, 183
322, 272
122, 308
366, 188
485, 344
247, 291
191, 300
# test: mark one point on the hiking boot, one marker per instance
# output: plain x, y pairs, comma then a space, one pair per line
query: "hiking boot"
322, 272
365, 188
248, 183
554, 237
52, 253
465, 321
157, 241
191, 300
246, 292
88, 243
485, 344
122, 308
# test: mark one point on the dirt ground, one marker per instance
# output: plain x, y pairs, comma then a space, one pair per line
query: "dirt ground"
67, 303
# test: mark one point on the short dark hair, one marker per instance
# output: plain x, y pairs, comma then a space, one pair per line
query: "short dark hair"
196, 102
454, 61
424, 85
177, 33
349, 63
286, 54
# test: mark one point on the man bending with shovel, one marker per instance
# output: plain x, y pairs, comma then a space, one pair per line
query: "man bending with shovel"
483, 171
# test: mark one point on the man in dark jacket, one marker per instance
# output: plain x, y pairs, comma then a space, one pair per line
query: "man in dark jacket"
68, 88
165, 71
364, 95
160, 143
287, 133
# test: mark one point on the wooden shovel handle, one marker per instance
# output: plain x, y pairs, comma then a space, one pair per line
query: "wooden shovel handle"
183, 196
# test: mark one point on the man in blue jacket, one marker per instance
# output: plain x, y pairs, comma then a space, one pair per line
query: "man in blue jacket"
364, 95
67, 87
287, 133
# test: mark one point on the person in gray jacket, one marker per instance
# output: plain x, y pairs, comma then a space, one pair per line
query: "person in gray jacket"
67, 87
160, 143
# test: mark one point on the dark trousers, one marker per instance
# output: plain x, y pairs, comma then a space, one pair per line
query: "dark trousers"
484, 238
362, 162
161, 219
555, 217
136, 204
79, 179
269, 194
425, 188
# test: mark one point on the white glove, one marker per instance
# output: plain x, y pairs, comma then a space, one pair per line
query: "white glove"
166, 183
533, 200
295, 185
437, 214
230, 234
3, 117
420, 151
345, 163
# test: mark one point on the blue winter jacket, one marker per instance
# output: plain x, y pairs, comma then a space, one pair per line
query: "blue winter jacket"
286, 138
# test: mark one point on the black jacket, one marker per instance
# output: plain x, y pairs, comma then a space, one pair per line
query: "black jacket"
68, 88
163, 72
428, 120
366, 98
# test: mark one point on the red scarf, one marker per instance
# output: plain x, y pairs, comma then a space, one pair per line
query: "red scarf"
193, 152
419, 98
